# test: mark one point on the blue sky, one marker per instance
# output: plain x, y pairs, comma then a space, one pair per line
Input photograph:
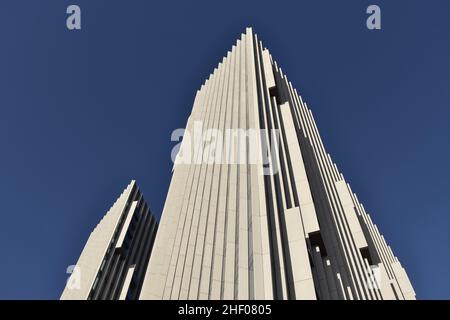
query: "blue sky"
84, 112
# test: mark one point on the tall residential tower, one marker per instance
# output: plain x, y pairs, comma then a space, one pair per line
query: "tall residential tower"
115, 257
289, 228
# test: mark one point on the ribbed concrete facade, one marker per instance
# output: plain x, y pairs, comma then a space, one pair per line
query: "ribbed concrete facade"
115, 257
228, 231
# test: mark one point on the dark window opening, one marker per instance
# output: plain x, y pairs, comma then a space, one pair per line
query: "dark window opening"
315, 239
366, 254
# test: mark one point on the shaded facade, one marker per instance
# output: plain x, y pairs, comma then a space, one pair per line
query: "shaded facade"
113, 262
228, 231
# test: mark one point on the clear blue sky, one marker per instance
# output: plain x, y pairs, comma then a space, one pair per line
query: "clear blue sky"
82, 113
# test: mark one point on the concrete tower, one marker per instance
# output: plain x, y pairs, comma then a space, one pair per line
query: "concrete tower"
282, 226
115, 257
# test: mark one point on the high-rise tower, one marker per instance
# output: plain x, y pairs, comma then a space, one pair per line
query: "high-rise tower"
115, 257
286, 226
